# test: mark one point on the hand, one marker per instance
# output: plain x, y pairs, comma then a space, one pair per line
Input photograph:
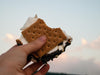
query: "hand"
12, 62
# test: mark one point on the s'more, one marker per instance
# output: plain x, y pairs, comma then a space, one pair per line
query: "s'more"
56, 42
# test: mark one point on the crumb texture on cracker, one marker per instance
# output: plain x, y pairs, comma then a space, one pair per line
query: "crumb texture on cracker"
39, 28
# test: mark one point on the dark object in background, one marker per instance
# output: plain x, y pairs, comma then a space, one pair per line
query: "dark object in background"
54, 73
51, 73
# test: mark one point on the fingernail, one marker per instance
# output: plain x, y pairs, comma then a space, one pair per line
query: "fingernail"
42, 38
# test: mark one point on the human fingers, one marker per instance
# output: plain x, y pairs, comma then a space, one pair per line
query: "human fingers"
32, 68
43, 70
34, 46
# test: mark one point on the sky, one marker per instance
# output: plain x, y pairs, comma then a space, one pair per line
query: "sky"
78, 18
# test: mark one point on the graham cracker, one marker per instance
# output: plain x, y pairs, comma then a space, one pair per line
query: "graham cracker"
39, 28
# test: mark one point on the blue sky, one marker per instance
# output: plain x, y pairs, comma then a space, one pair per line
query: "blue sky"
69, 14
79, 18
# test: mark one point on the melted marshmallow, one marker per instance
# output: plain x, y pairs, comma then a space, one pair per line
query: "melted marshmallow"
61, 47
29, 22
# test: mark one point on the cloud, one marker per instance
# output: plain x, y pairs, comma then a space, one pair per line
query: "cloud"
10, 38
73, 65
86, 50
83, 41
95, 44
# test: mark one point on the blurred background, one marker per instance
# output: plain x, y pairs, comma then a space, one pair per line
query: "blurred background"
79, 18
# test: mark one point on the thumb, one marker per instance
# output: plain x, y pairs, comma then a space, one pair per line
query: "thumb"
34, 45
